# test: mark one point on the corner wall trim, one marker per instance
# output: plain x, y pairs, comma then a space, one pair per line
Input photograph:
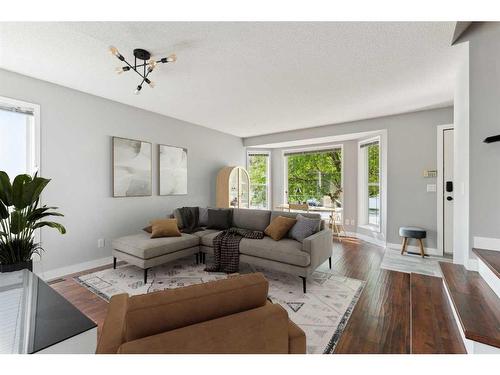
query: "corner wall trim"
487, 243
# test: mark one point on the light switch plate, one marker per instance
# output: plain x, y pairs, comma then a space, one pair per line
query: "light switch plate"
431, 188
101, 243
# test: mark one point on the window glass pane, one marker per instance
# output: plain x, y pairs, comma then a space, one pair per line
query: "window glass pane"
258, 170
373, 163
14, 142
314, 175
374, 205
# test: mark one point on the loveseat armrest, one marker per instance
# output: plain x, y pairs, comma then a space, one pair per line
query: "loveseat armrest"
319, 247
113, 329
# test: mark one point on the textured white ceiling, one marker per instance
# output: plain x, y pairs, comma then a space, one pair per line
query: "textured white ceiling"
248, 78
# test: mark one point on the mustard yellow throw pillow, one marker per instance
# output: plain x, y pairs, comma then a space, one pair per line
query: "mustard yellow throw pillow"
279, 227
164, 228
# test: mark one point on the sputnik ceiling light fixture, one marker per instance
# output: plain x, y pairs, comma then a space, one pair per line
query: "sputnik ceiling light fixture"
144, 69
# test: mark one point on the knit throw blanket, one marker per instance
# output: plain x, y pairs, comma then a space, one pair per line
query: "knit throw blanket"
227, 249
190, 219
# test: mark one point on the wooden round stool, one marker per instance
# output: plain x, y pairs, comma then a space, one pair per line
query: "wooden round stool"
413, 232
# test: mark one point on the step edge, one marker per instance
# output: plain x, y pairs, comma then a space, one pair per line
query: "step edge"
485, 261
467, 333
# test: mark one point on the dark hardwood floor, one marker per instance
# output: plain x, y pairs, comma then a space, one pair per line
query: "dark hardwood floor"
380, 322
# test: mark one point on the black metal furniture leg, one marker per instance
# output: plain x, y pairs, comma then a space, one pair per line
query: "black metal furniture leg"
114, 263
197, 258
146, 275
303, 283
330, 262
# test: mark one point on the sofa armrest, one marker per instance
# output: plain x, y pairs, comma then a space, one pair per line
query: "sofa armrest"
319, 246
260, 330
113, 329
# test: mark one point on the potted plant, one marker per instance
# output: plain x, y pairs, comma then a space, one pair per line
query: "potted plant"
20, 215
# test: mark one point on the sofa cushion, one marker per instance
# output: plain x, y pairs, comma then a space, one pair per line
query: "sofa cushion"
294, 216
251, 219
164, 228
304, 227
279, 227
141, 246
202, 233
219, 218
284, 251
208, 238
203, 216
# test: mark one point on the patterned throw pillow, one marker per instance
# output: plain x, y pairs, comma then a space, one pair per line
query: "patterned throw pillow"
304, 227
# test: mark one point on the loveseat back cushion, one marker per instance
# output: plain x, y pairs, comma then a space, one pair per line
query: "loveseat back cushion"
157, 312
203, 219
251, 219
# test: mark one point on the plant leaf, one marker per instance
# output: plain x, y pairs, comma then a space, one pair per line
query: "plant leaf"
51, 224
4, 212
33, 189
18, 191
5, 189
18, 222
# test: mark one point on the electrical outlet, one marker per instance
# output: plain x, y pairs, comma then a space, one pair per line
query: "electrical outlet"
352, 221
431, 188
101, 243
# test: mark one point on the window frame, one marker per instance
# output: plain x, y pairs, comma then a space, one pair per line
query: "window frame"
268, 176
364, 185
339, 146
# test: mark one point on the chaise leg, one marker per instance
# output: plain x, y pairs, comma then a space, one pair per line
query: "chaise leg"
330, 262
303, 284
197, 258
146, 275
203, 258
114, 263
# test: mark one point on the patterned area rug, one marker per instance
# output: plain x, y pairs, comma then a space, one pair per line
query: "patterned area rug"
322, 312
412, 263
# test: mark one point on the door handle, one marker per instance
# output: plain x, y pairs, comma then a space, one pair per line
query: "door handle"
449, 198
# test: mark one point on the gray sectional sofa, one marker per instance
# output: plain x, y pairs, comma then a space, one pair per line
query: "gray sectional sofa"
286, 255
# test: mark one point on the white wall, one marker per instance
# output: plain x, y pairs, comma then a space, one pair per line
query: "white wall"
482, 102
76, 131
411, 148
461, 160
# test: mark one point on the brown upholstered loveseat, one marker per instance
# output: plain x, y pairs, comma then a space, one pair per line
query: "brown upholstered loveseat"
225, 316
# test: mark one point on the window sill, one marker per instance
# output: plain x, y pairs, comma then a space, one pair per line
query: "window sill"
370, 227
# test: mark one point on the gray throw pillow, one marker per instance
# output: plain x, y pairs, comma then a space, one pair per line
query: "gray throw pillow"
220, 218
304, 227
203, 221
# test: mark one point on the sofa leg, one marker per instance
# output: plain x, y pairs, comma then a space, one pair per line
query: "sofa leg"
303, 283
203, 258
146, 275
330, 262
114, 263
197, 258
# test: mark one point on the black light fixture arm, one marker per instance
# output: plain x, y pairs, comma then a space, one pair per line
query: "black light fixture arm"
147, 66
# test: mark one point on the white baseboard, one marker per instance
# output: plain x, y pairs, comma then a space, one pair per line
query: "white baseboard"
58, 272
364, 237
471, 265
416, 249
487, 243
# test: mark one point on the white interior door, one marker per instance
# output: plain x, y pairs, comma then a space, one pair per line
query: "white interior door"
448, 188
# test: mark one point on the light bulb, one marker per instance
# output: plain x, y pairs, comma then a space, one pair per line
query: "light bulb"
172, 58
152, 64
114, 51
119, 70
138, 90
151, 84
